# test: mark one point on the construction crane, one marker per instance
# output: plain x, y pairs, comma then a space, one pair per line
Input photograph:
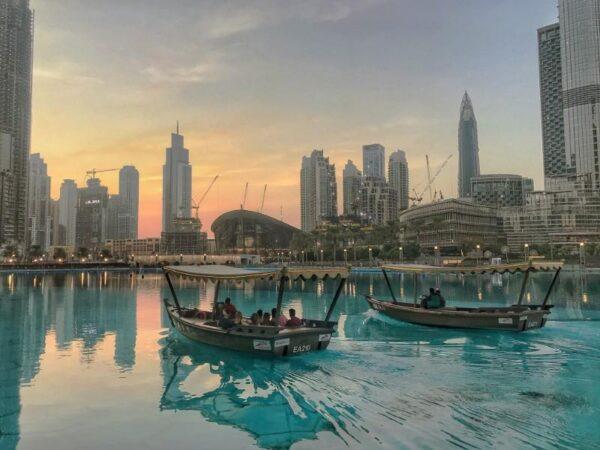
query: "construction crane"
243, 205
196, 205
262, 201
92, 173
417, 198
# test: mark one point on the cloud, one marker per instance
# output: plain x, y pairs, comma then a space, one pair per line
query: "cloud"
192, 74
66, 73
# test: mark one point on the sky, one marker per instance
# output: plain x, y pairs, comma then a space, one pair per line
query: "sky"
256, 85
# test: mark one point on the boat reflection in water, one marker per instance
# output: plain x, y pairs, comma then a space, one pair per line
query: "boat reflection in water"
250, 393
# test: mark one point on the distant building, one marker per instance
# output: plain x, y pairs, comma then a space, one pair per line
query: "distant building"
67, 213
398, 177
185, 237
565, 217
318, 190
553, 129
580, 62
243, 231
38, 205
129, 193
498, 190
468, 147
92, 215
352, 179
379, 201
16, 61
128, 248
374, 161
177, 183
56, 232
454, 225
114, 210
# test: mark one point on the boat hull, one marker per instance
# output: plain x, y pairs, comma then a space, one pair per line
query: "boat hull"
514, 318
255, 339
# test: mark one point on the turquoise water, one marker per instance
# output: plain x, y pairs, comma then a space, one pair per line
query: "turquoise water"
87, 362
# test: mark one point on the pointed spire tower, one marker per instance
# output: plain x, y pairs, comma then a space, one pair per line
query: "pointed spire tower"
468, 147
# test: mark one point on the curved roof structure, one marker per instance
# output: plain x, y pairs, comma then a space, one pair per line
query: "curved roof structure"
242, 229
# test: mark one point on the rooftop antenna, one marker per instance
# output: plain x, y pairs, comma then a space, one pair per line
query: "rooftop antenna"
178, 127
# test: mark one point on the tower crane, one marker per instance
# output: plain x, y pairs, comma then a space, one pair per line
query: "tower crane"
417, 198
92, 173
262, 201
196, 204
245, 196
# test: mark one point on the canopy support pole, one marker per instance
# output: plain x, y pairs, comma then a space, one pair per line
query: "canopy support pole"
523, 286
415, 283
280, 290
173, 291
389, 285
216, 298
554, 279
335, 299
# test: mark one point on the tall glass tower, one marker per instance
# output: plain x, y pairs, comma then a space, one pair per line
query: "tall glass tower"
177, 183
16, 41
468, 147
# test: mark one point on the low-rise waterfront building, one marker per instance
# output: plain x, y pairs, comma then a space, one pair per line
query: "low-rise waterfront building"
185, 237
125, 248
499, 190
453, 225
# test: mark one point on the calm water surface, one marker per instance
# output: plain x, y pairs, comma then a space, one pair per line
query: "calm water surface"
87, 362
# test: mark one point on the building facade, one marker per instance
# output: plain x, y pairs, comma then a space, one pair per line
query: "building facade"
352, 180
185, 237
379, 201
7, 198
92, 216
177, 183
129, 248
398, 178
499, 190
318, 190
553, 130
468, 147
453, 225
38, 204
16, 60
580, 65
67, 213
565, 217
374, 161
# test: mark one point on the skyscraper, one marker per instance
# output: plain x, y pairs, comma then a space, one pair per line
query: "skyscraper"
580, 64
468, 147
16, 36
177, 183
374, 161
92, 215
352, 179
67, 213
553, 134
318, 190
38, 204
129, 193
379, 202
398, 177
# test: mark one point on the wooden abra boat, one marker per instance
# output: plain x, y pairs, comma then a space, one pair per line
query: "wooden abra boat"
517, 317
203, 326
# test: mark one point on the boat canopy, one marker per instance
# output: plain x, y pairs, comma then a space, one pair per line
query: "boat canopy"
225, 273
533, 266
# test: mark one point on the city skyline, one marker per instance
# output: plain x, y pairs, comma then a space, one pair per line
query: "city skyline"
231, 111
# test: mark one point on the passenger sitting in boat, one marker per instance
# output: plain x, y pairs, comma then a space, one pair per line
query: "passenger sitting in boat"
254, 320
294, 321
260, 315
442, 299
238, 318
226, 321
266, 319
432, 301
229, 307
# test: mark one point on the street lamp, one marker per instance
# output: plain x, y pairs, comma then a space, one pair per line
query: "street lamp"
582, 254
370, 255
478, 250
436, 250
526, 251
321, 256
346, 256
401, 254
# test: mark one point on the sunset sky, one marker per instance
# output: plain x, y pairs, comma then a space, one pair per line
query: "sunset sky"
258, 84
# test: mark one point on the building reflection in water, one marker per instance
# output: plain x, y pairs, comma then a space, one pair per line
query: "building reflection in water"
255, 395
71, 306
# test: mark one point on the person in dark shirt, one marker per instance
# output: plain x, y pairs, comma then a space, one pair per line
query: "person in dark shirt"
425, 301
266, 319
441, 297
229, 308
260, 315
293, 321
